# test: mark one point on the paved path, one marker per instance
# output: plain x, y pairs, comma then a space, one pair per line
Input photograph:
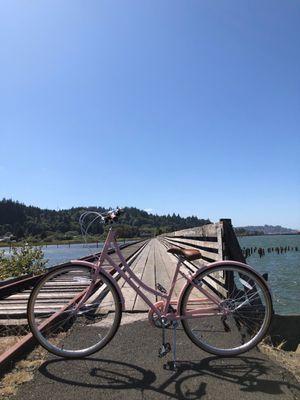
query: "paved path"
128, 368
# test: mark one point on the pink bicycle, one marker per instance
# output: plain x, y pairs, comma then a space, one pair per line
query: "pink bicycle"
225, 307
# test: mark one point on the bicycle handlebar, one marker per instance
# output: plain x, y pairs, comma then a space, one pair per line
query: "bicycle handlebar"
112, 215
87, 218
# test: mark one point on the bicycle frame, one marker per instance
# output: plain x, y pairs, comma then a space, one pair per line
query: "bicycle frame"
129, 276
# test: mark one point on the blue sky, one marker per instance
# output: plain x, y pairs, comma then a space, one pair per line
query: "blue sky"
174, 106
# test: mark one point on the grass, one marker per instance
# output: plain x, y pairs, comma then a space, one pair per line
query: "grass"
11, 381
7, 342
22, 372
290, 360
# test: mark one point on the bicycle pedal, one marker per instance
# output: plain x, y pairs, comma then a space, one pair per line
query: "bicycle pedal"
164, 350
160, 288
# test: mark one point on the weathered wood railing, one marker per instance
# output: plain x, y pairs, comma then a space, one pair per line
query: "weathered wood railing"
215, 241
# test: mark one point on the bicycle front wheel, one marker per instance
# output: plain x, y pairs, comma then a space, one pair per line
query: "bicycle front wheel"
228, 310
67, 321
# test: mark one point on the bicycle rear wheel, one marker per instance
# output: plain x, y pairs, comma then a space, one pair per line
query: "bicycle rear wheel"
66, 323
241, 319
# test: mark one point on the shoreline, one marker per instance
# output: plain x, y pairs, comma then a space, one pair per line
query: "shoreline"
61, 242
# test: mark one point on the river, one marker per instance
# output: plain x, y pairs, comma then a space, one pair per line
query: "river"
283, 269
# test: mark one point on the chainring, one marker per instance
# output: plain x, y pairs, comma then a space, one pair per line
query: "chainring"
154, 319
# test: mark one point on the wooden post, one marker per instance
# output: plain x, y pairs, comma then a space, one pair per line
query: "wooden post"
232, 247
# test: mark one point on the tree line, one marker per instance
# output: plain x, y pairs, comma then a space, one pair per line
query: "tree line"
33, 223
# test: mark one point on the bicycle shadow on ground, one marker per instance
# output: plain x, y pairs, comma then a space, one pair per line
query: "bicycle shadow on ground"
192, 380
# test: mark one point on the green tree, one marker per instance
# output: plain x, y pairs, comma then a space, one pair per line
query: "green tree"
28, 221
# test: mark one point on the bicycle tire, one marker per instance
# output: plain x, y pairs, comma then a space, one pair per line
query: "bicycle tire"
247, 318
58, 326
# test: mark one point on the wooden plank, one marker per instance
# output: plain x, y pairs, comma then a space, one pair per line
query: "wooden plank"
14, 322
52, 295
21, 307
201, 243
148, 278
161, 274
209, 230
138, 268
166, 265
196, 244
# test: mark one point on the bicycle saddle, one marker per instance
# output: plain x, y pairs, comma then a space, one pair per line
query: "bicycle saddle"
189, 254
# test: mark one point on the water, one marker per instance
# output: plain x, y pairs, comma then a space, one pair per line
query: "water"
283, 269
62, 253
57, 254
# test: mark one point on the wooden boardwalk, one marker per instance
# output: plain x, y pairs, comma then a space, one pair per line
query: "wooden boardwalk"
153, 265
